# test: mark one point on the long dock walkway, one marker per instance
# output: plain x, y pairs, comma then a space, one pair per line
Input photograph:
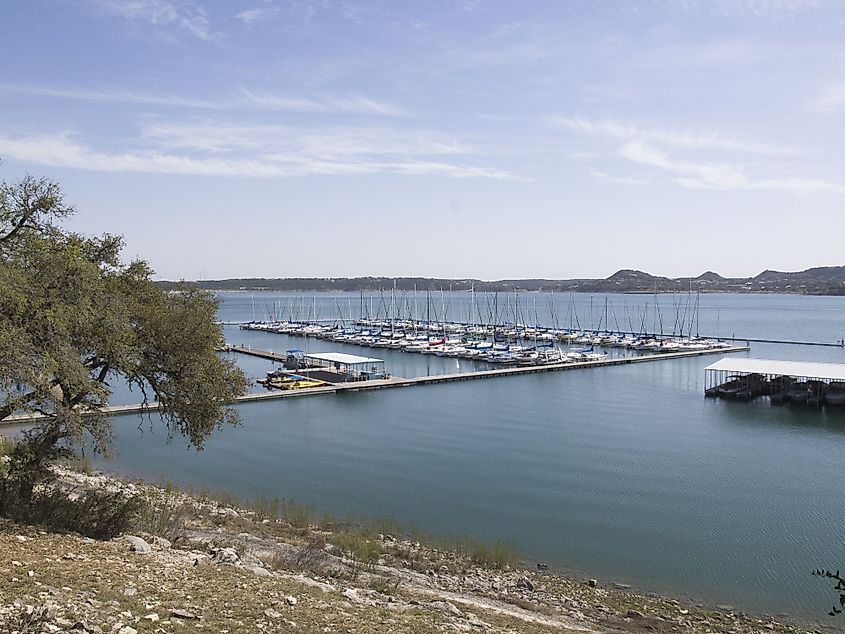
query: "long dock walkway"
393, 382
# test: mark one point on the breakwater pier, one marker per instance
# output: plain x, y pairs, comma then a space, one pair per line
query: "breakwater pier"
397, 382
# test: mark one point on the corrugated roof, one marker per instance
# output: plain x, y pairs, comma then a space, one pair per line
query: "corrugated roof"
827, 371
341, 357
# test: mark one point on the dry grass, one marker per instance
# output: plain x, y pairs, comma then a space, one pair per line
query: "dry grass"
96, 578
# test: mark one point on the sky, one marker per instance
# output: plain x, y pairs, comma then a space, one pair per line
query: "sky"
471, 138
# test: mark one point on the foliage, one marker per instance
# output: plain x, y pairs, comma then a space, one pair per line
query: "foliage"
93, 513
839, 588
74, 316
311, 558
164, 517
364, 553
385, 585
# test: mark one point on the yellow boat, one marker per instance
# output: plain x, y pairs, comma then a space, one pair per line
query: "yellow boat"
294, 382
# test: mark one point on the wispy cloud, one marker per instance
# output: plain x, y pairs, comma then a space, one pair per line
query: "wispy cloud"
670, 151
723, 176
746, 8
327, 143
604, 177
830, 99
183, 15
310, 158
671, 138
354, 103
258, 14
243, 100
110, 96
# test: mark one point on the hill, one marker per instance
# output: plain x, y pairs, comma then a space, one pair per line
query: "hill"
825, 280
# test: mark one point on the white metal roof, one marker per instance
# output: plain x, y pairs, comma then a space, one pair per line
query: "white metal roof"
340, 357
830, 371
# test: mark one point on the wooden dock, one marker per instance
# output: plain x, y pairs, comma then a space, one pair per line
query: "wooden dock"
393, 382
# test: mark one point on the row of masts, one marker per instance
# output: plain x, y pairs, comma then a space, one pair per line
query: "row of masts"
493, 310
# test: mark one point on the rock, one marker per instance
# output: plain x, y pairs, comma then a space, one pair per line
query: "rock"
161, 542
541, 566
130, 592
593, 583
261, 572
452, 609
683, 612
22, 538
472, 619
352, 595
290, 600
249, 560
622, 586
635, 614
138, 544
525, 584
313, 583
152, 617
183, 614
225, 556
270, 613
127, 630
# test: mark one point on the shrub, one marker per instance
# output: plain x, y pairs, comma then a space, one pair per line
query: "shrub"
311, 558
384, 585
97, 514
364, 553
165, 518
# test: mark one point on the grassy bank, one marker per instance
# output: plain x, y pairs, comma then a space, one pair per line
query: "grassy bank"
238, 565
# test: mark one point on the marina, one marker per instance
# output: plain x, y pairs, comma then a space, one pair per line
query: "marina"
566, 463
323, 387
512, 345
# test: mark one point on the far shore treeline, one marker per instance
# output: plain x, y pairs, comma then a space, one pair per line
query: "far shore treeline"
826, 280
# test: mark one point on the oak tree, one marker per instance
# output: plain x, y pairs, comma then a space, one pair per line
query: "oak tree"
74, 317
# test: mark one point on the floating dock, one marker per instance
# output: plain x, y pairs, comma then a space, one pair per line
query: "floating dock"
394, 382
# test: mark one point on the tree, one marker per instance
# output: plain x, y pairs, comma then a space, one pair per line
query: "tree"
74, 316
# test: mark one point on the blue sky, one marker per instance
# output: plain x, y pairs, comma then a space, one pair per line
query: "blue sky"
456, 139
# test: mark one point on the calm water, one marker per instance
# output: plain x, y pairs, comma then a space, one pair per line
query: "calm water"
625, 473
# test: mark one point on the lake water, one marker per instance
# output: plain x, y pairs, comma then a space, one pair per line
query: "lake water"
624, 473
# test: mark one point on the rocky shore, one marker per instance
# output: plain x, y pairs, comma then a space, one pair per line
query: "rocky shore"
211, 566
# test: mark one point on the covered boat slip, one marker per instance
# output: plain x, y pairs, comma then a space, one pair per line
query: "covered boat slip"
783, 381
347, 367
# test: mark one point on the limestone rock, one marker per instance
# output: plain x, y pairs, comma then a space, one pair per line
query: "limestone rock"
352, 595
225, 556
138, 545
161, 542
525, 584
261, 572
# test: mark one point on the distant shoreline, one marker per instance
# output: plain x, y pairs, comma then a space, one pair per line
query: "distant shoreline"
511, 290
822, 281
